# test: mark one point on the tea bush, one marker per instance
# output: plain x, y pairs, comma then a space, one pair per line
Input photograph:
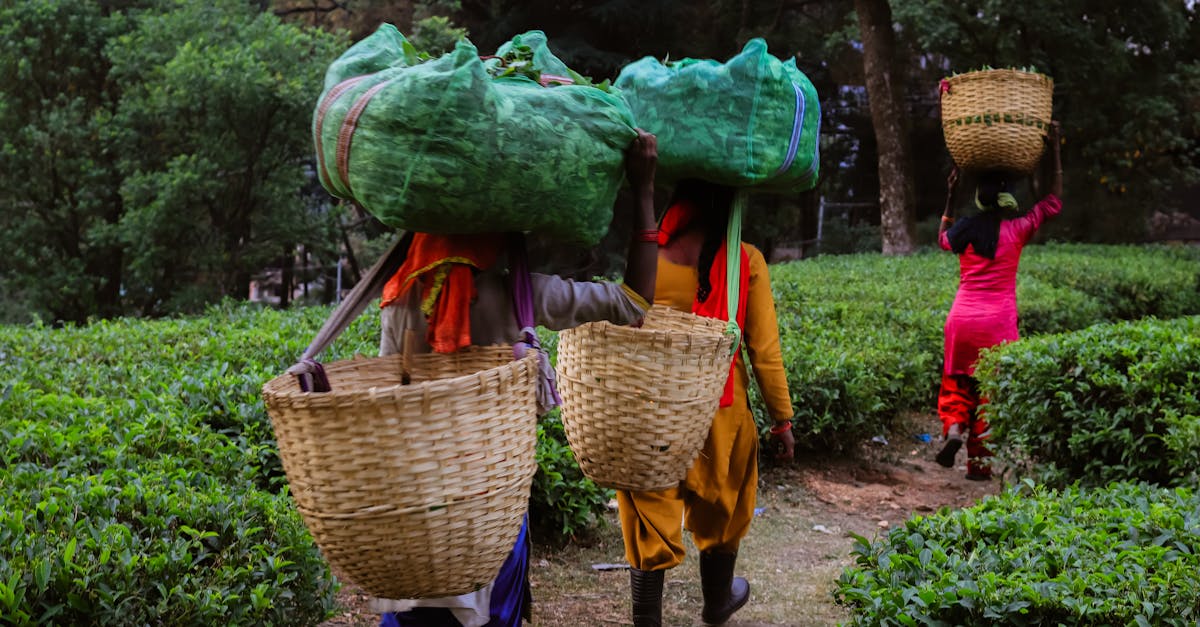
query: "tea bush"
139, 479
1126, 554
139, 474
1130, 281
1109, 403
141, 439
862, 334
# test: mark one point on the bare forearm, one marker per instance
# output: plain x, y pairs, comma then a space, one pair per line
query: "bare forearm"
641, 265
947, 213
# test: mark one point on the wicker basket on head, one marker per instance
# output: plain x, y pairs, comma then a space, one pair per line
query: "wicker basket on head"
996, 119
637, 403
413, 490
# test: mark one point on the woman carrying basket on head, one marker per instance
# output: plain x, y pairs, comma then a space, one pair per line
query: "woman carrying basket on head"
716, 500
453, 292
984, 313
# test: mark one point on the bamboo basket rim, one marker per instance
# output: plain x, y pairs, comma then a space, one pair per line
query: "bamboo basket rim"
999, 73
277, 385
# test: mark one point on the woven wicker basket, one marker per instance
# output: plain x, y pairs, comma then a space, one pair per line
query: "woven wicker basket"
996, 119
638, 402
417, 490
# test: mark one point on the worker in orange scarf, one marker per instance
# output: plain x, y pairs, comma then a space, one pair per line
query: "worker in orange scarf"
716, 500
455, 291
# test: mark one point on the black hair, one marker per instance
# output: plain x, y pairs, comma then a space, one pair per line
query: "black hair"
982, 230
712, 202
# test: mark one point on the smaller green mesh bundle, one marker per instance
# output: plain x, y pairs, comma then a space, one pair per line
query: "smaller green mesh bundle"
751, 122
452, 145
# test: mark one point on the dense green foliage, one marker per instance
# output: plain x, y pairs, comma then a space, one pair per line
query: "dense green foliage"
1126, 554
143, 450
1109, 403
151, 153
862, 335
129, 444
140, 481
154, 151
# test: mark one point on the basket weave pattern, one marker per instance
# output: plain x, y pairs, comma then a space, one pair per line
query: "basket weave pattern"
417, 490
638, 402
996, 119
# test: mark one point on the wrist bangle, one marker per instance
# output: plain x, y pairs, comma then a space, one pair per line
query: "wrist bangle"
781, 427
947, 219
646, 236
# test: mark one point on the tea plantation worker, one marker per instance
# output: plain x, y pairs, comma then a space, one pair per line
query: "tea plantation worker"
984, 313
716, 500
452, 292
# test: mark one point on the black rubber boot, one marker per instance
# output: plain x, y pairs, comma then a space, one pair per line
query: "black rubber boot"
945, 457
646, 588
724, 594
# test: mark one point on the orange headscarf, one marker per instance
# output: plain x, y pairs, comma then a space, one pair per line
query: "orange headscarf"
677, 218
443, 264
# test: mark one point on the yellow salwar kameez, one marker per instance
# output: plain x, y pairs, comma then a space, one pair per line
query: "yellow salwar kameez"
716, 500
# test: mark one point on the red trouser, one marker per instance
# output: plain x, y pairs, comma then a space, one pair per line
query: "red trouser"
959, 403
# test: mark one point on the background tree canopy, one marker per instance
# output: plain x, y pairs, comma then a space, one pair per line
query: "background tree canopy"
155, 154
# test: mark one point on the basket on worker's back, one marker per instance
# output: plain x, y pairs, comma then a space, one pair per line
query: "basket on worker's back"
413, 481
996, 119
637, 403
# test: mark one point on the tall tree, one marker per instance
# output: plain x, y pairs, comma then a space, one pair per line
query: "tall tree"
152, 153
889, 116
214, 135
59, 189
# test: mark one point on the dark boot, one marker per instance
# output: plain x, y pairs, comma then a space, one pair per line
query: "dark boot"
945, 457
646, 587
724, 594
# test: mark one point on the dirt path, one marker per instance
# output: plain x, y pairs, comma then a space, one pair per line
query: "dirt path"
797, 547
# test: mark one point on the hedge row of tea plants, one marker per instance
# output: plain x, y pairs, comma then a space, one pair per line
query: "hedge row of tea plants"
1125, 554
139, 480
1108, 403
139, 475
862, 334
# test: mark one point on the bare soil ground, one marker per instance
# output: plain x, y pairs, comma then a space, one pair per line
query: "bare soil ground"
797, 547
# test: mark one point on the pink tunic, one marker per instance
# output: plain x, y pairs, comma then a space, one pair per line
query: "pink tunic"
984, 313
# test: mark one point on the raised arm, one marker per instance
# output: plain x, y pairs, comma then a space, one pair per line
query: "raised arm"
948, 212
641, 264
1054, 138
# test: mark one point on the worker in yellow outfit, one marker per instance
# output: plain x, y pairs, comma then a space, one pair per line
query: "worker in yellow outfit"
716, 500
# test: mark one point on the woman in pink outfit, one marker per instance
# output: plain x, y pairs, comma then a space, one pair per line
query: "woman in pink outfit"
984, 314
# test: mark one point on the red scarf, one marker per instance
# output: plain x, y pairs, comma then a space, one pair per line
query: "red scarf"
677, 218
444, 264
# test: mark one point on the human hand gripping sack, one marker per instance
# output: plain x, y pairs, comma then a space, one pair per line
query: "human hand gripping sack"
641, 159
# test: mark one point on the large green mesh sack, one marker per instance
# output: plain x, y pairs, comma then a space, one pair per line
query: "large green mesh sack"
751, 122
445, 146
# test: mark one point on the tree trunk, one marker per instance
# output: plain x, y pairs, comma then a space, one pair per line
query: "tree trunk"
286, 276
889, 117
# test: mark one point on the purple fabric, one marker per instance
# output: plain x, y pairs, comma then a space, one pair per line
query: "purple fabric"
522, 297
510, 600
522, 285
313, 378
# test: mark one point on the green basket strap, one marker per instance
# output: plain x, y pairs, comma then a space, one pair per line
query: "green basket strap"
733, 265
